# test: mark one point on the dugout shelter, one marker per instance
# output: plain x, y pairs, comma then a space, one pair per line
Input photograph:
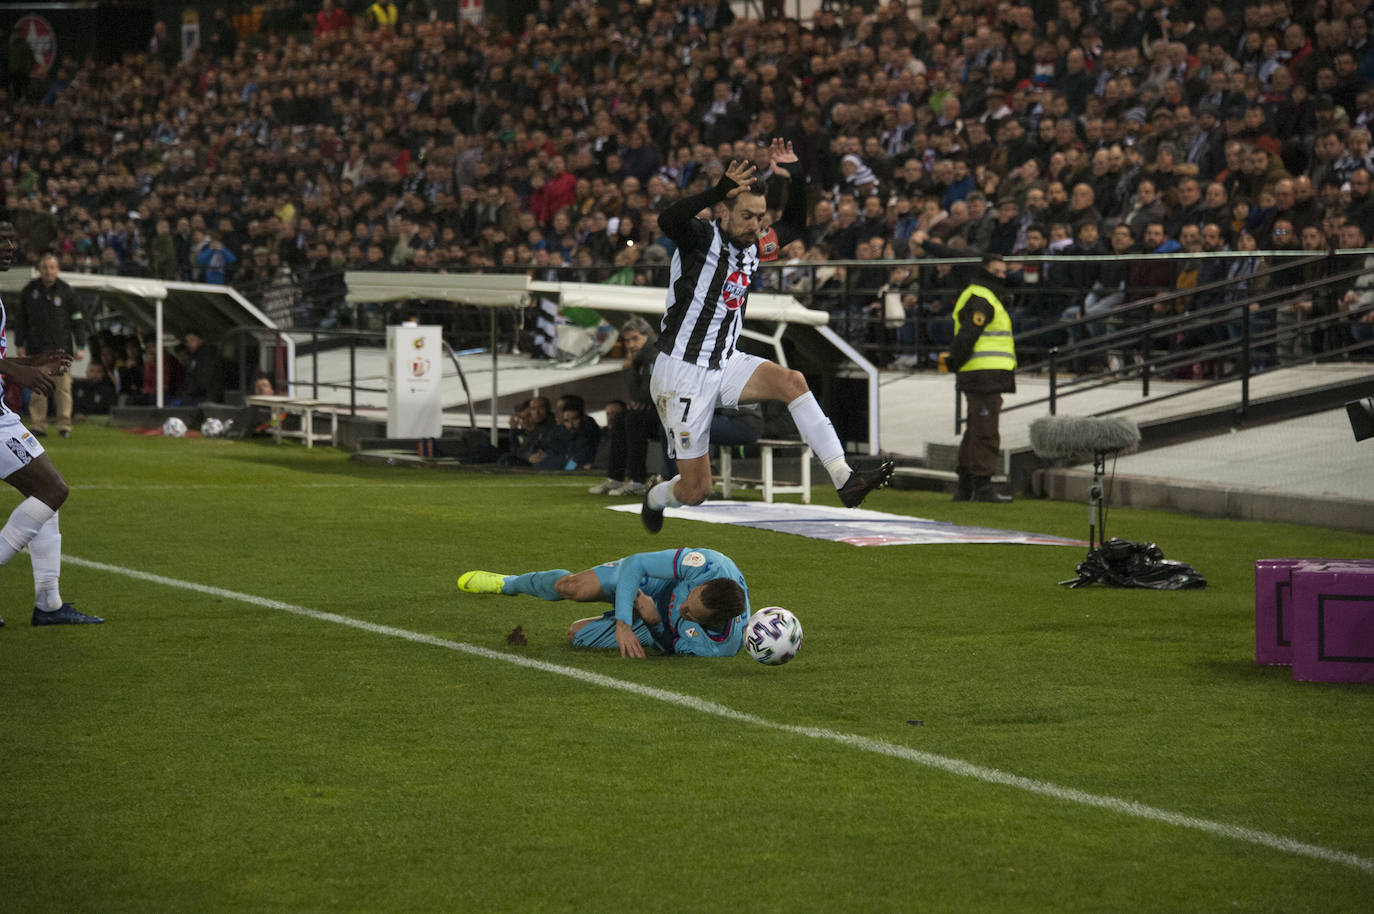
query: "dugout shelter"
164, 309
776, 327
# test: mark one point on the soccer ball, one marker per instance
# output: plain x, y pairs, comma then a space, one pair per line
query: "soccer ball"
212, 428
774, 636
174, 428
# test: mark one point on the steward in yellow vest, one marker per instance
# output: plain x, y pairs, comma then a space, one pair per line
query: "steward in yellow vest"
984, 357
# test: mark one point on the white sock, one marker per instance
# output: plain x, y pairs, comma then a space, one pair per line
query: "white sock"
663, 495
22, 527
817, 431
45, 551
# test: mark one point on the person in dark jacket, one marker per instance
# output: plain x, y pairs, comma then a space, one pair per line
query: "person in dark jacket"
984, 358
572, 443
49, 319
204, 371
636, 425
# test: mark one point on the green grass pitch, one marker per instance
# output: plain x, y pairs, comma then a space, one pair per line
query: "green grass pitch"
201, 752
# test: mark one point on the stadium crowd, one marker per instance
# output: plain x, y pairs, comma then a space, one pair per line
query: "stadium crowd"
372, 135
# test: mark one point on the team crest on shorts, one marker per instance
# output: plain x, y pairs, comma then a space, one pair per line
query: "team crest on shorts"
694, 560
18, 449
684, 440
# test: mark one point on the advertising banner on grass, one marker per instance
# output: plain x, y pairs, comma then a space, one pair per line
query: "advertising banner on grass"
855, 526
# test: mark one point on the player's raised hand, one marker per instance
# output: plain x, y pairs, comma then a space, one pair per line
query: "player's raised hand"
629, 643
742, 173
55, 362
781, 151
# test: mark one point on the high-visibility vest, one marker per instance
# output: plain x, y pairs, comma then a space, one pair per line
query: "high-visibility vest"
994, 349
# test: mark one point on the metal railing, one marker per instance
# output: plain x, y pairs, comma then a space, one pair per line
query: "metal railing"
1244, 334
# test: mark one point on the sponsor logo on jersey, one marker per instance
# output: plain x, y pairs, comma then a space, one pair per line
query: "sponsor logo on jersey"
694, 560
736, 287
691, 632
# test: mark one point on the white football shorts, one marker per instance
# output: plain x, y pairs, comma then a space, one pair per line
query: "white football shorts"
20, 446
687, 396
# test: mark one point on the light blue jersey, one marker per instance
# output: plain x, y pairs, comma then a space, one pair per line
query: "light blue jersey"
667, 578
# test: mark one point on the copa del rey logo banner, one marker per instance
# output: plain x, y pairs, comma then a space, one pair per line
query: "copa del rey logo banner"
855, 526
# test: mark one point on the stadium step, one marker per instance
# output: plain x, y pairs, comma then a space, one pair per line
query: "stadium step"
928, 479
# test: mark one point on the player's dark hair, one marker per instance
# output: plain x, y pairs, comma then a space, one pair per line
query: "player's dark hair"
723, 599
753, 187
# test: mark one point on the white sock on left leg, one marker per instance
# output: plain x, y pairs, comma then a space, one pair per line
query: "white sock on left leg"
45, 551
23, 525
664, 495
817, 431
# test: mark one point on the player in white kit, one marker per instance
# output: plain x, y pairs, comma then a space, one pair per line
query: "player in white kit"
26, 466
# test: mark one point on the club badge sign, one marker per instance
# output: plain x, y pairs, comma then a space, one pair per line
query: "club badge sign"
41, 38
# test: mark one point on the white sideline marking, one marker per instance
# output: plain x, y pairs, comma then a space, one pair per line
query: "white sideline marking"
863, 743
352, 484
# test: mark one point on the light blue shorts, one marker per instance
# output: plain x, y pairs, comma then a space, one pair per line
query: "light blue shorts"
601, 633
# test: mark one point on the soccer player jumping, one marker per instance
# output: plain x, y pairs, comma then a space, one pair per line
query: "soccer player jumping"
699, 367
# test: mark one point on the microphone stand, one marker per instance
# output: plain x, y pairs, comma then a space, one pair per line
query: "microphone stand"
1092, 566
1097, 517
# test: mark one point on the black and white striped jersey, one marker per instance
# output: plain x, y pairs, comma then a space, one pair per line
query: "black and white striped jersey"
709, 284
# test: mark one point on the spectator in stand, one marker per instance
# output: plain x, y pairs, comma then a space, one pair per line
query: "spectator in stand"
530, 428
95, 393
1146, 208
162, 47
1188, 208
1357, 302
216, 260
417, 127
331, 19
571, 445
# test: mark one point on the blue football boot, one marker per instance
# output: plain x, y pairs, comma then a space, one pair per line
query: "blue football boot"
65, 614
